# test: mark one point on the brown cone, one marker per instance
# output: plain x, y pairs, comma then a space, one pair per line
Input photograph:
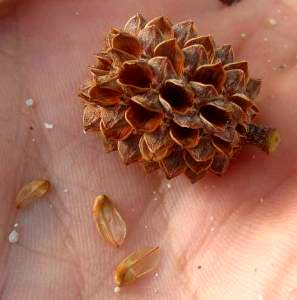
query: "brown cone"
165, 96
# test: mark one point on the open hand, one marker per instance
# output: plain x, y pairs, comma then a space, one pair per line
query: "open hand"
233, 237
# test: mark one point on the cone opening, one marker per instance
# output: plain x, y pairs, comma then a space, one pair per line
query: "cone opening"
185, 137
242, 101
136, 74
211, 74
222, 146
142, 119
177, 96
126, 42
220, 164
241, 129
215, 115
99, 93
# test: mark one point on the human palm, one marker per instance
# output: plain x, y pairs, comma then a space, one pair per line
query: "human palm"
223, 238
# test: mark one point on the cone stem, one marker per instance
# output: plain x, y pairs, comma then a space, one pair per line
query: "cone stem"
266, 138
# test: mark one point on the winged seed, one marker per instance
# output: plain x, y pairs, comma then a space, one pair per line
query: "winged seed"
30, 191
109, 221
136, 265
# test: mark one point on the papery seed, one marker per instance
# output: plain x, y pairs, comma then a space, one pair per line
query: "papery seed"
136, 265
30, 191
109, 221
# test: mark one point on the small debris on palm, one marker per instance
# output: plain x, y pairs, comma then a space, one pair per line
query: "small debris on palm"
13, 237
29, 102
48, 125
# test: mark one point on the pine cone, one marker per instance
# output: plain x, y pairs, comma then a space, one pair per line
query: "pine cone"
164, 96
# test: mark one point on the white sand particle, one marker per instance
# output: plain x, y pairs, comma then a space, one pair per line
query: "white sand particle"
48, 125
84, 132
15, 225
243, 35
261, 200
212, 229
117, 289
157, 275
77, 13
272, 22
29, 102
65, 190
211, 218
169, 185
13, 237
265, 39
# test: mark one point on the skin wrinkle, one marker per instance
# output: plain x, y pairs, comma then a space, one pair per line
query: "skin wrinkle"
6, 55
288, 4
3, 285
291, 261
283, 271
58, 178
5, 228
205, 242
48, 255
27, 158
19, 88
275, 282
84, 187
186, 255
291, 174
72, 262
181, 263
69, 244
279, 276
